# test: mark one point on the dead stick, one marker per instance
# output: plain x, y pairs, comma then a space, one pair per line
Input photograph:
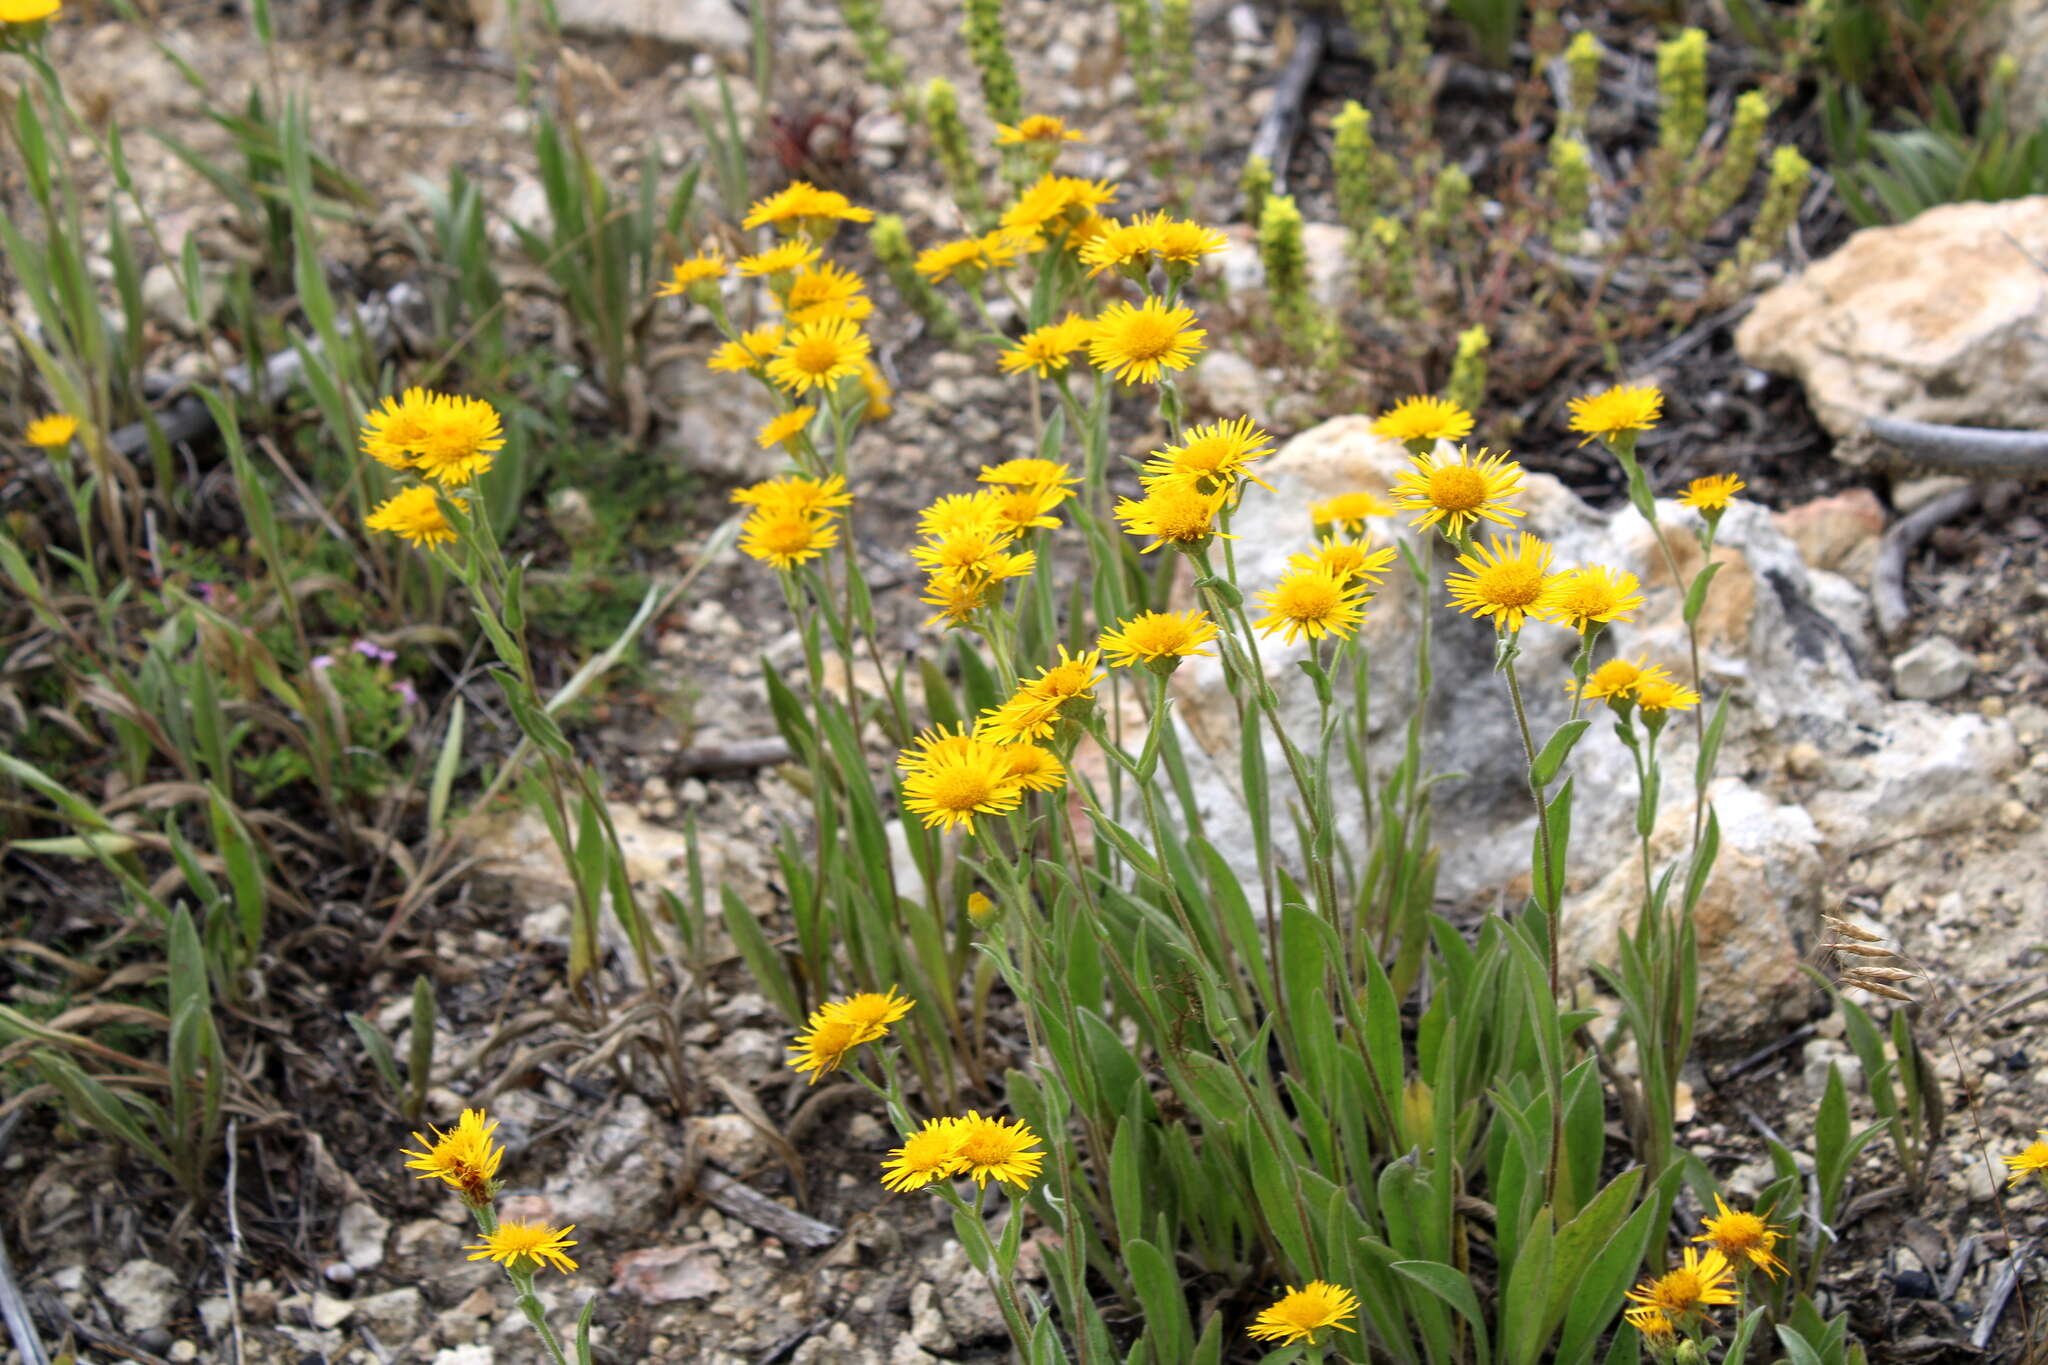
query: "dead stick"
738, 756
757, 1210
1278, 130
1888, 579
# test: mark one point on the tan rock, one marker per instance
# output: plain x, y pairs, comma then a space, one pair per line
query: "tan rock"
1839, 533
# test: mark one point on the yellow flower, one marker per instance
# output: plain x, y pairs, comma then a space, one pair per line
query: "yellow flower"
1700, 1283
706, 265
1027, 473
1506, 580
873, 1011
391, 433
952, 512
1035, 769
536, 1244
1118, 245
818, 355
414, 514
794, 254
1054, 201
1349, 511
1655, 692
57, 428
956, 596
785, 537
27, 11
1347, 559
1136, 343
1044, 128
1578, 598
464, 1157
1712, 492
823, 1044
877, 389
1046, 349
1022, 509
1615, 678
1033, 710
1623, 408
2033, 1158
826, 291
935, 746
1657, 1330
448, 438
1424, 419
1155, 636
1181, 242
968, 257
1180, 517
800, 202
990, 1149
785, 430
1741, 1236
1301, 1313
749, 351
926, 1155
1210, 458
795, 494
1456, 494
980, 908
1312, 602
980, 551
970, 779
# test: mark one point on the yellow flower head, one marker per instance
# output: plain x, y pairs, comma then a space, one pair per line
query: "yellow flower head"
873, 1011
784, 537
926, 1155
969, 257
1350, 510
1027, 473
1124, 246
1346, 559
1046, 349
1616, 678
1657, 1330
1702, 1282
1622, 409
825, 291
27, 11
1179, 241
808, 496
1158, 636
935, 746
706, 265
785, 430
877, 389
1036, 769
447, 438
2034, 1157
1175, 516
1424, 419
801, 204
952, 512
969, 778
794, 254
464, 1158
1028, 508
1301, 1313
957, 597
1505, 581
1039, 128
57, 428
413, 514
1034, 710
1456, 494
1659, 693
837, 1027
536, 1244
749, 351
1210, 458
818, 355
1137, 343
1712, 492
1741, 1236
1052, 202
988, 1149
980, 551
1312, 602
1580, 598
980, 908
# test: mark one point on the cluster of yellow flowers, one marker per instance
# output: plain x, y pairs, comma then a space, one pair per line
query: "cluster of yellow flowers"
973, 541
1736, 1241
447, 440
466, 1158
1623, 683
792, 519
837, 1027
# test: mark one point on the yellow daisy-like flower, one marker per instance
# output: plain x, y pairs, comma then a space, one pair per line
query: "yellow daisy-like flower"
825, 291
784, 430
952, 512
1616, 678
1118, 245
456, 439
393, 432
1036, 769
824, 1043
54, 429
1505, 581
957, 597
535, 1244
968, 780
1018, 510
988, 1149
794, 254
1182, 242
1659, 693
1027, 473
1176, 516
1622, 409
1136, 344
706, 265
1210, 458
749, 351
785, 538
464, 1158
1349, 511
1053, 201
2034, 1157
800, 202
968, 257
1460, 493
1301, 1313
1712, 492
877, 389
1312, 602
818, 355
1741, 1236
413, 514
1657, 1330
1046, 349
926, 1155
873, 1011
1040, 128
1702, 1282
973, 550
1158, 636
1580, 598
1034, 710
27, 11
930, 748
1347, 559
1423, 418
796, 493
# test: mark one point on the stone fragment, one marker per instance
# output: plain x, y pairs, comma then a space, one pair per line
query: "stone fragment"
360, 1235
669, 1274
1932, 670
144, 1295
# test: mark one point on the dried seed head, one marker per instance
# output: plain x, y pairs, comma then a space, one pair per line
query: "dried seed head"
1877, 988
1882, 974
1852, 931
1859, 949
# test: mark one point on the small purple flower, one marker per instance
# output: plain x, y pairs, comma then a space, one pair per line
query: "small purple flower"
375, 652
403, 687
322, 662
207, 591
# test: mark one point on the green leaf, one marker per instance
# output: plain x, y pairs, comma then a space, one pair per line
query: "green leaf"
1161, 1296
1555, 751
1454, 1287
1696, 594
